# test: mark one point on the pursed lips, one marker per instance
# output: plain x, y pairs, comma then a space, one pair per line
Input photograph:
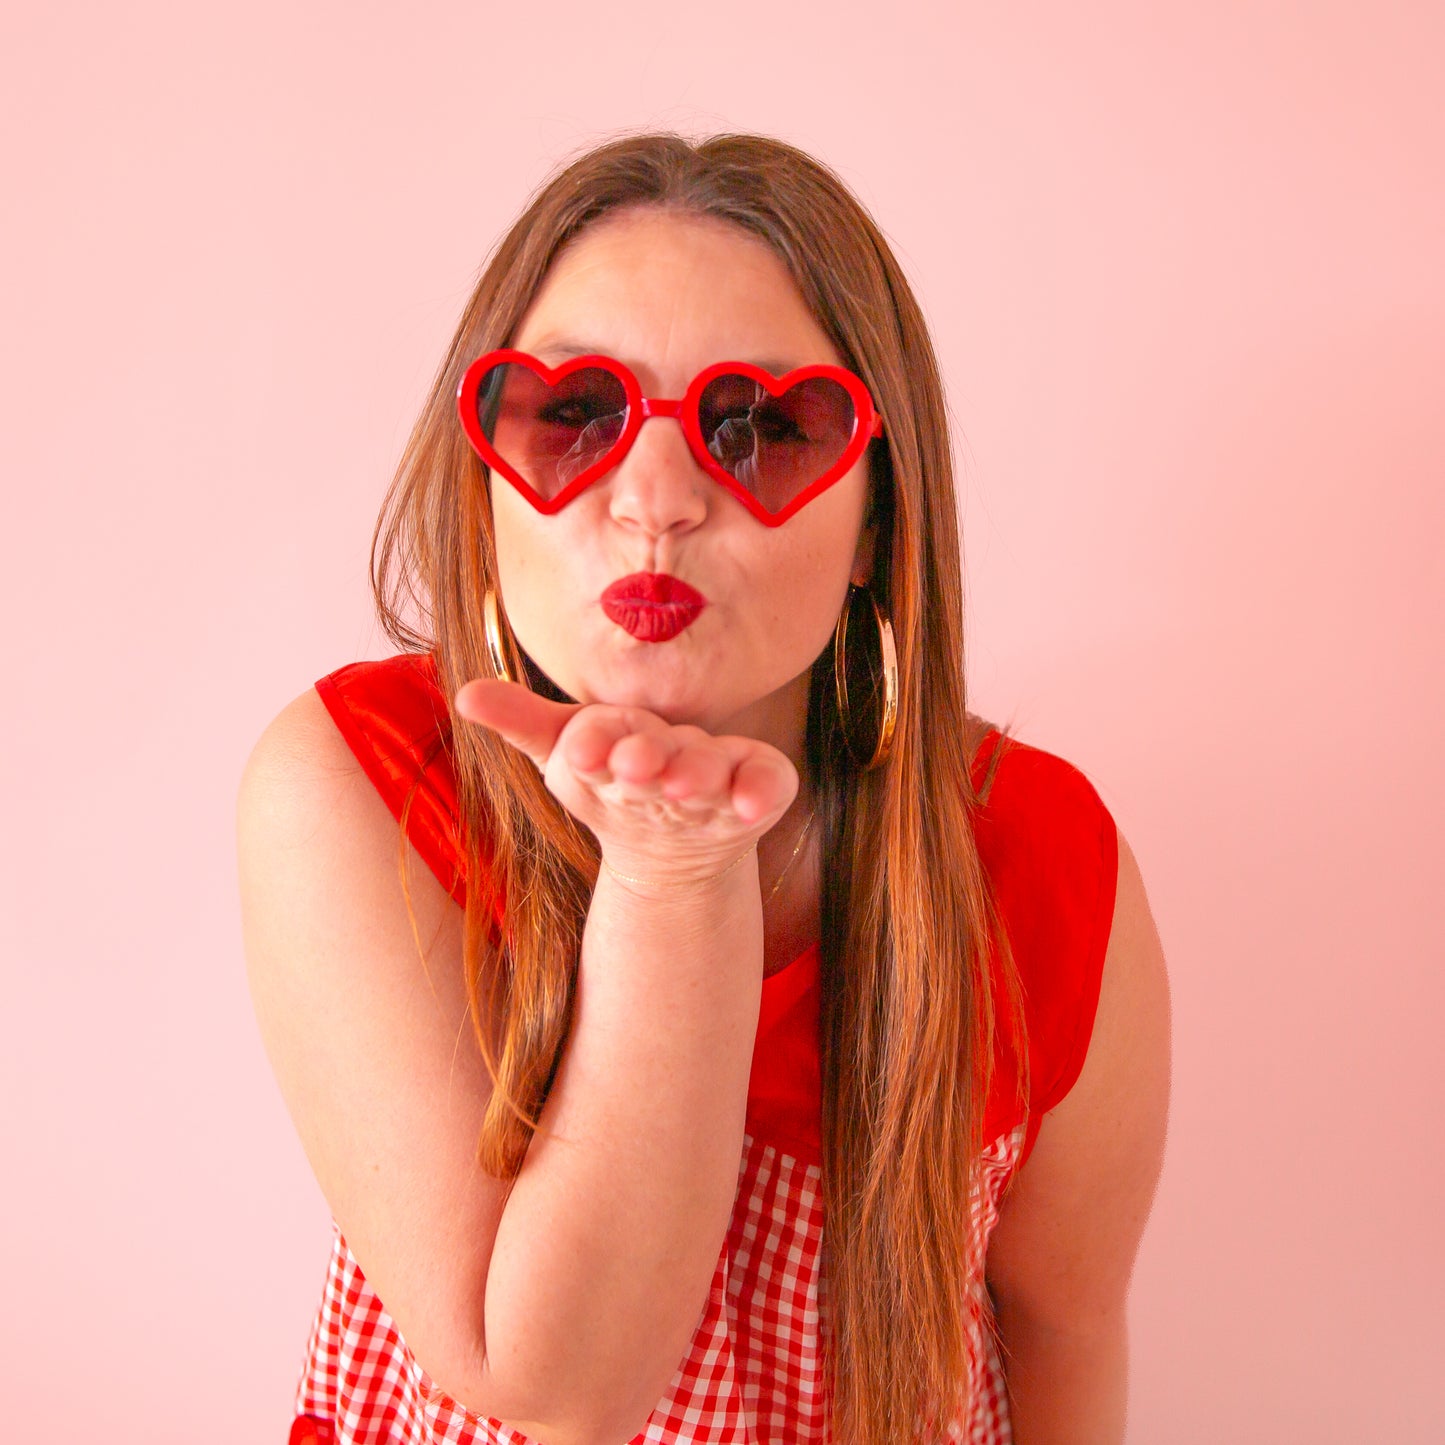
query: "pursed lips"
652, 606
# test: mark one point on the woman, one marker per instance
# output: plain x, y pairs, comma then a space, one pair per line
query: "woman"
735, 921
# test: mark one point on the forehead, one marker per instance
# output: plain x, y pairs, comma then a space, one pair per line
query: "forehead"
671, 293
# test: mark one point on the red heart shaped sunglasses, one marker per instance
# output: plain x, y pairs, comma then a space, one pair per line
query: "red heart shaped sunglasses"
774, 442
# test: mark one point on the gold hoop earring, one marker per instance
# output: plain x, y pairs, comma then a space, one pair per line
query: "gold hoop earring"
492, 628
866, 681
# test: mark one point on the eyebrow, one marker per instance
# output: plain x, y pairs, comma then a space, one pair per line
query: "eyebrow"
555, 349
565, 349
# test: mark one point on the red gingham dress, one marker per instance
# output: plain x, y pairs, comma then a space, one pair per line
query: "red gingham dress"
753, 1372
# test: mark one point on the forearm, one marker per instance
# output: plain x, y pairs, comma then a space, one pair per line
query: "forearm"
1066, 1387
612, 1232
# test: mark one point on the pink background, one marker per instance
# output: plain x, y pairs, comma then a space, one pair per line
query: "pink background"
1184, 269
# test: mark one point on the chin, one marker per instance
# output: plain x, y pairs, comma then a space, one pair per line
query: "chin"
656, 676
677, 705
681, 686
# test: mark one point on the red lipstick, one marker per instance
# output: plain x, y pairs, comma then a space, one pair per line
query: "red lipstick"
652, 606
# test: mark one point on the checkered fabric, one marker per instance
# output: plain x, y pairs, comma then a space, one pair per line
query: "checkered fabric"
752, 1375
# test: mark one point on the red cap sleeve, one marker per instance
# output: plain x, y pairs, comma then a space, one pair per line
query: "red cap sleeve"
1051, 849
394, 717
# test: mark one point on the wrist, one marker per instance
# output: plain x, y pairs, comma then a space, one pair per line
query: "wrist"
665, 879
696, 905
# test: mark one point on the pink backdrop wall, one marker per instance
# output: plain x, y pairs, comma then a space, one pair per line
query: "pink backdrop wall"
1184, 270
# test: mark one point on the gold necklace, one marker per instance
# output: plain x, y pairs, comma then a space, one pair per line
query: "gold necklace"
792, 858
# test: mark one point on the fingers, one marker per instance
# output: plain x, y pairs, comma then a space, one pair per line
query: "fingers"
764, 784
698, 770
603, 743
633, 755
683, 765
640, 757
529, 723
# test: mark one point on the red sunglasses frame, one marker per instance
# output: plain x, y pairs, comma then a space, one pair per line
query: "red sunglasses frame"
867, 423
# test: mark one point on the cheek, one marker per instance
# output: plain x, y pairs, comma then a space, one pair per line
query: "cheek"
807, 588
531, 569
837, 549
512, 520
528, 540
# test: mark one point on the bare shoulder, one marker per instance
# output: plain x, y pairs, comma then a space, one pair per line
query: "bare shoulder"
318, 850
1070, 1226
313, 836
304, 795
300, 748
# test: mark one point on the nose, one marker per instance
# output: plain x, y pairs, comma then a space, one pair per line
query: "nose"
658, 486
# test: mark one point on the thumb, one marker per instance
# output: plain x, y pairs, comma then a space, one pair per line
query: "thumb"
531, 724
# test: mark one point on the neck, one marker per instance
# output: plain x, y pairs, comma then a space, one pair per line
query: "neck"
780, 719
789, 855
790, 888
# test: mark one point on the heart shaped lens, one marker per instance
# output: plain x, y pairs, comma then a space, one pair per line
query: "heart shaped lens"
775, 447
549, 433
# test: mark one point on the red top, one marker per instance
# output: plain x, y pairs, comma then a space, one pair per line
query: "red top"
1050, 849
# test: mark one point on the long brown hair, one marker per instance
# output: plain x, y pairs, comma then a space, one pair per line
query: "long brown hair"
908, 919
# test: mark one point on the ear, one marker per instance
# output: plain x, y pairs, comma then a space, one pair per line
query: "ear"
862, 572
